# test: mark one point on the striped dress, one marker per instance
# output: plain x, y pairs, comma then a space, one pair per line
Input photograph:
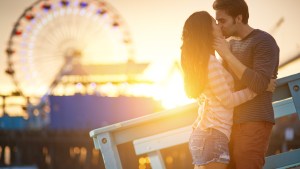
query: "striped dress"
220, 99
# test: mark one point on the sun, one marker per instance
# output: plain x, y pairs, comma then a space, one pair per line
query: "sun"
169, 86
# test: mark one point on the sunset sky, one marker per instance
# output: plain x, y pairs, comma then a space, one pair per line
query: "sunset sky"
156, 27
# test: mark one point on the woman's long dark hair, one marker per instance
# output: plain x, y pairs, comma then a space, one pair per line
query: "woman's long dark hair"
196, 48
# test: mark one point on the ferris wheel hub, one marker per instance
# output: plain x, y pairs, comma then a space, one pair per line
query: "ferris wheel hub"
54, 33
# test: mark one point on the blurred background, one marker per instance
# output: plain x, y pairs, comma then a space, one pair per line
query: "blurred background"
70, 66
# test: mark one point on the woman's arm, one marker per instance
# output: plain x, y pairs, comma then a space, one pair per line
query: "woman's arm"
220, 87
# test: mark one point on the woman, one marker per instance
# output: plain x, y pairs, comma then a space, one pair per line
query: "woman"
206, 78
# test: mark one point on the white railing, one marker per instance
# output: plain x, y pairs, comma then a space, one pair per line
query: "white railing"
149, 134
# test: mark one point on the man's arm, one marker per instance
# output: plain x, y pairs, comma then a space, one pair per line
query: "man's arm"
219, 86
264, 63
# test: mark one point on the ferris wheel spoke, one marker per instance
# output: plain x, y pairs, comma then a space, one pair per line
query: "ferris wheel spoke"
61, 32
91, 35
84, 27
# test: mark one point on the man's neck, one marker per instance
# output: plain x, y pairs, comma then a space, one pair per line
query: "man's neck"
244, 31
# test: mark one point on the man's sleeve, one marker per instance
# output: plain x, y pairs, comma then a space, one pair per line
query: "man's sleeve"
265, 61
221, 90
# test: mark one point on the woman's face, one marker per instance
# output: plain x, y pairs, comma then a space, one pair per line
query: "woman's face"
216, 29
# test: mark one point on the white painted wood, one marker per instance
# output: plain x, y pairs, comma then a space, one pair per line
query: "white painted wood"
130, 130
162, 140
178, 136
109, 151
284, 107
152, 124
156, 160
165, 129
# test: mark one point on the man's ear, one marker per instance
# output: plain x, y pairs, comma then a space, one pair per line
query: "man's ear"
239, 19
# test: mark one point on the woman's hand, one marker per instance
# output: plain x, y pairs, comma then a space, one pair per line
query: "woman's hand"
222, 47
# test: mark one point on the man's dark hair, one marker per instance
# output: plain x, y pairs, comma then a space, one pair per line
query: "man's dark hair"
233, 8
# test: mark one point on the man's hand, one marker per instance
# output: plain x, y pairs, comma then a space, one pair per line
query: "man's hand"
272, 85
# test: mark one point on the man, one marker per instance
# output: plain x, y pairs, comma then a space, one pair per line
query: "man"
252, 58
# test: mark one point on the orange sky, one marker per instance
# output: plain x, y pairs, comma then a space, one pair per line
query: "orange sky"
156, 26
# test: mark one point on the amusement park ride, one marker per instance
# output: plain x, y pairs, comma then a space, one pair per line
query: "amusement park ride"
73, 65
62, 41
69, 47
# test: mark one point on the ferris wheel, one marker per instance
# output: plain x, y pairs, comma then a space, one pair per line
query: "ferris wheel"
52, 33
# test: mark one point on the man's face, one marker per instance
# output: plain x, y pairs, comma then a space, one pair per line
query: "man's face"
226, 23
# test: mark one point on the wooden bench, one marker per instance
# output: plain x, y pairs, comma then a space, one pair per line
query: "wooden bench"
157, 131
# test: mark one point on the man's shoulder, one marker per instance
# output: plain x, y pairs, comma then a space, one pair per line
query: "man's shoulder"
263, 36
256, 38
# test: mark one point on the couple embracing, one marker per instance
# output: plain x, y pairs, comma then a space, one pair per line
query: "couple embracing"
236, 116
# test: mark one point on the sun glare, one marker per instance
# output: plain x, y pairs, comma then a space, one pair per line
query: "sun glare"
169, 90
173, 92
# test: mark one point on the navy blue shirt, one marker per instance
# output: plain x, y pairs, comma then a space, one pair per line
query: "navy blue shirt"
260, 53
